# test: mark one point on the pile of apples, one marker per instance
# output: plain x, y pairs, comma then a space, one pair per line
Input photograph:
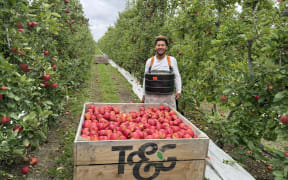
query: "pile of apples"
108, 123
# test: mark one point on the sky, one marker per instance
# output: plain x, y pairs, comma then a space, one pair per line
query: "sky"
102, 14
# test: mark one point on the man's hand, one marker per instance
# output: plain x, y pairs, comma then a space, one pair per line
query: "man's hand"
143, 99
177, 96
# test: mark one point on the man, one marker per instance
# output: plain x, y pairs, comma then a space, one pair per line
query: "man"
161, 63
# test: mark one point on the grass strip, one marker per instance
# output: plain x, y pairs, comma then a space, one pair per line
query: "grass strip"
108, 89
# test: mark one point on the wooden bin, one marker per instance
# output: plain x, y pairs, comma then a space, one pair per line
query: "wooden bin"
101, 59
145, 159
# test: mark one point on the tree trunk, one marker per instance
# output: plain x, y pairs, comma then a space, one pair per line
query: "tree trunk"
250, 66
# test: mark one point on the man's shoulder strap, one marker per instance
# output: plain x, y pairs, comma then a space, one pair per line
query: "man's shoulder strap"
151, 62
169, 61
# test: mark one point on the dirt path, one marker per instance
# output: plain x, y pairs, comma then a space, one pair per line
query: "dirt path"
49, 164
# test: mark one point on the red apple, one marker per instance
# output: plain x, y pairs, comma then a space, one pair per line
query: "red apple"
175, 136
46, 52
94, 137
19, 26
190, 132
286, 154
34, 24
149, 137
17, 128
85, 131
54, 85
257, 98
87, 124
25, 169
54, 66
100, 126
5, 119
46, 77
223, 98
4, 88
46, 84
24, 67
187, 136
33, 161
21, 30
284, 119
1, 97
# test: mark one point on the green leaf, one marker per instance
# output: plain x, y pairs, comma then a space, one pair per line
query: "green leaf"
27, 48
42, 135
12, 96
38, 28
47, 102
279, 96
215, 42
250, 145
12, 2
227, 91
160, 155
46, 6
55, 14
286, 170
31, 115
45, 114
278, 173
18, 151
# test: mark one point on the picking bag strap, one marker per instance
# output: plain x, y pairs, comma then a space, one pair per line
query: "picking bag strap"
169, 63
151, 64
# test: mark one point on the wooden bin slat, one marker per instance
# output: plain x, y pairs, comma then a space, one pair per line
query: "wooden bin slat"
101, 152
183, 170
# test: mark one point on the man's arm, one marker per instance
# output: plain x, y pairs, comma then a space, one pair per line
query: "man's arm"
146, 70
178, 82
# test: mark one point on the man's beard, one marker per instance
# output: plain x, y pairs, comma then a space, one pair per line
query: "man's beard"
161, 53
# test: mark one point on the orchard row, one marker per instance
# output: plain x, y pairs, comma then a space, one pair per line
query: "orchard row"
46, 51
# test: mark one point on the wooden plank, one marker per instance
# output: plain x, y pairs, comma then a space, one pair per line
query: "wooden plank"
102, 152
183, 170
231, 171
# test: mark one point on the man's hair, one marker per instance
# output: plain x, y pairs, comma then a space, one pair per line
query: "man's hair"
161, 38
